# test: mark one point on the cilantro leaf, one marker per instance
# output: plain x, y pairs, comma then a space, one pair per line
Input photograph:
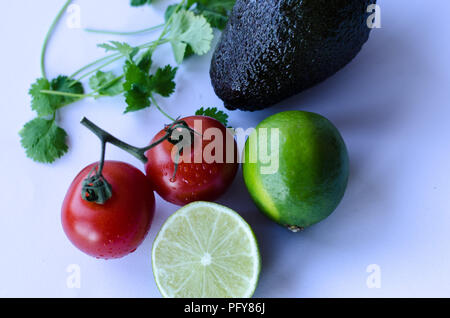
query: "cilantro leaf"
136, 85
139, 85
146, 62
216, 12
65, 85
41, 103
135, 77
214, 113
136, 100
106, 83
170, 11
43, 140
163, 81
46, 104
121, 47
187, 29
138, 3
217, 19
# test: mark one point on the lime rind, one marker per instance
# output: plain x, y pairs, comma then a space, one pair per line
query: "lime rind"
313, 169
196, 255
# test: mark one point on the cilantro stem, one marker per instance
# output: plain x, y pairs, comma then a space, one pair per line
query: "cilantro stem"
113, 81
159, 108
166, 26
124, 33
115, 56
152, 43
48, 36
57, 93
82, 96
112, 58
93, 63
98, 69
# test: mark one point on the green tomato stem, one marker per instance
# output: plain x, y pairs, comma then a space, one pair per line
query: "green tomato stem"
139, 153
96, 188
102, 157
106, 137
48, 36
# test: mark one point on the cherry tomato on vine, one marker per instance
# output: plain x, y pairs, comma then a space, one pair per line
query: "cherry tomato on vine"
209, 171
117, 227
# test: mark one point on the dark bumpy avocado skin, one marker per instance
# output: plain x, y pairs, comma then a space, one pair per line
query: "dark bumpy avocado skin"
273, 49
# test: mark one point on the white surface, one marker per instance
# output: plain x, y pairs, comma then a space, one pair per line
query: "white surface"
391, 105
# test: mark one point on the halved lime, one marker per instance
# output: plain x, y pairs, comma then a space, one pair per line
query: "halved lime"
206, 250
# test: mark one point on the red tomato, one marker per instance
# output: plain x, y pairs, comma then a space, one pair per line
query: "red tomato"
119, 226
197, 180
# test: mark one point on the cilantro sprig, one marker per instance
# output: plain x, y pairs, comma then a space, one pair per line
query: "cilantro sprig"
137, 3
213, 112
216, 12
43, 140
140, 86
187, 28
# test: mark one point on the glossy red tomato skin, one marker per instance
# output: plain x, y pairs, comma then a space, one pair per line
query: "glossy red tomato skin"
118, 227
194, 181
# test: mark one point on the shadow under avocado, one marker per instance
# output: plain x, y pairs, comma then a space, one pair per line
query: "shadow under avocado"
364, 100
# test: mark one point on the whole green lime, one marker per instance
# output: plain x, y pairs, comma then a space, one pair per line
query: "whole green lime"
296, 168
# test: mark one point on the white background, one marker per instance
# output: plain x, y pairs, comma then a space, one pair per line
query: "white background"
391, 105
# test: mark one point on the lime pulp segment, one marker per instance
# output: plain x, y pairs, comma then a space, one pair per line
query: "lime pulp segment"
206, 250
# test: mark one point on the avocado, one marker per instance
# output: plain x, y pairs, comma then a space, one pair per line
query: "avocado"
273, 49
